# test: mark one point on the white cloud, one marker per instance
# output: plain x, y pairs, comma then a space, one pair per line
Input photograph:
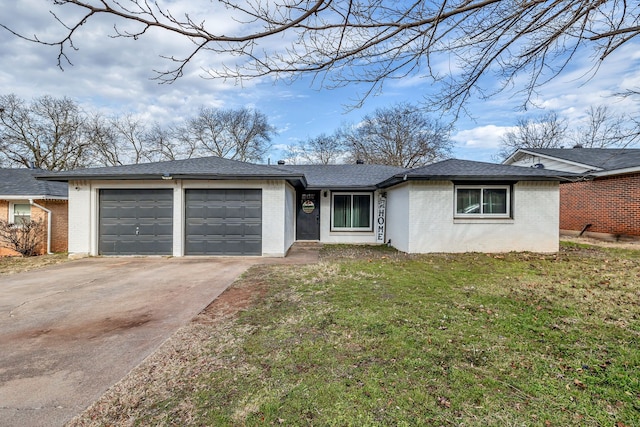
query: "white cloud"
483, 137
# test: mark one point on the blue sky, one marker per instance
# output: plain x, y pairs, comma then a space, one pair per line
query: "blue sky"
114, 76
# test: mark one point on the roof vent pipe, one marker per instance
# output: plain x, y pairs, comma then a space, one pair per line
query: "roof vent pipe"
281, 162
359, 162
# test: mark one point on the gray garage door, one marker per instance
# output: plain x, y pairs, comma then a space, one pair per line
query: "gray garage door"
223, 222
136, 222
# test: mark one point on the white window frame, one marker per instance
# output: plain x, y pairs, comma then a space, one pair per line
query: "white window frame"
482, 188
12, 212
348, 193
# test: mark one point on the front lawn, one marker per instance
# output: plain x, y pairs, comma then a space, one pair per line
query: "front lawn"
371, 337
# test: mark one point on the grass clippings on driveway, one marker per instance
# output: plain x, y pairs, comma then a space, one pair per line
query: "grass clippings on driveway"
371, 337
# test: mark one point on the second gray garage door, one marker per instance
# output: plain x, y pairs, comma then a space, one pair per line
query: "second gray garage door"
223, 222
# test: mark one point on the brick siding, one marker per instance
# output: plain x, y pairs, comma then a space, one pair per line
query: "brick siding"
611, 205
59, 224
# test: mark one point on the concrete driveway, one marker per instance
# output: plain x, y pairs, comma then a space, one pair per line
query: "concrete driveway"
69, 332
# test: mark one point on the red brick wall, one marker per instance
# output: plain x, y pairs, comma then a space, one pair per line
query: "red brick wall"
59, 223
611, 205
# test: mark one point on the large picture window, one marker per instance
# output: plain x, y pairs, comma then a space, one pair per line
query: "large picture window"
351, 211
483, 201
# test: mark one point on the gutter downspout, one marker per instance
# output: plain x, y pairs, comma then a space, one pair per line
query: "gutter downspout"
32, 203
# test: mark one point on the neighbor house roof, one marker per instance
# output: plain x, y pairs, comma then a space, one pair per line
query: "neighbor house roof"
602, 161
467, 170
22, 184
199, 168
345, 177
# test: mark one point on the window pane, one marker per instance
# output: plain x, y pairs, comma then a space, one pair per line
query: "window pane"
21, 213
494, 201
361, 211
342, 211
468, 200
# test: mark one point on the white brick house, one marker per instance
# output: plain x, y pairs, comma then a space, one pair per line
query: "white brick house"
214, 206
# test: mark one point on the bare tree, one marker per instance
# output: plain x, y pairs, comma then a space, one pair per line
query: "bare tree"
46, 134
401, 135
123, 140
545, 131
605, 129
240, 134
322, 149
370, 42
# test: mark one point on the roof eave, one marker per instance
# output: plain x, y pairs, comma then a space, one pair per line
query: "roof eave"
560, 159
623, 171
31, 197
160, 177
342, 187
397, 180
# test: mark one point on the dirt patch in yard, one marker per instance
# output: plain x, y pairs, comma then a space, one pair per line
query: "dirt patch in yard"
237, 297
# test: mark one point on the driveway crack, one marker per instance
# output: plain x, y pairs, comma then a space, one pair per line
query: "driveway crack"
19, 306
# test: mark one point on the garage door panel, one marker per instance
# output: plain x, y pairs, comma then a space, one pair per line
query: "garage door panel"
225, 246
223, 222
136, 222
253, 212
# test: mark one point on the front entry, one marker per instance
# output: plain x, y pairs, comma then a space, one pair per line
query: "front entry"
308, 217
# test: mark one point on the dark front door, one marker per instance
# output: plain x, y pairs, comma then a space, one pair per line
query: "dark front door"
308, 218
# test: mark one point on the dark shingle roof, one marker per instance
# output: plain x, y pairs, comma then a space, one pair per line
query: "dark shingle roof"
22, 183
600, 158
199, 168
358, 176
347, 177
467, 170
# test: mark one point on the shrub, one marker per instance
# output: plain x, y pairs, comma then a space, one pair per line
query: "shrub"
23, 238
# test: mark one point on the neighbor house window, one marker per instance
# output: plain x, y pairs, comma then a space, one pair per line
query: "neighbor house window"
483, 201
21, 213
351, 211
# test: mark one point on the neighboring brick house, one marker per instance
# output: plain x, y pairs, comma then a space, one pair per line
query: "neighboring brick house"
606, 202
23, 197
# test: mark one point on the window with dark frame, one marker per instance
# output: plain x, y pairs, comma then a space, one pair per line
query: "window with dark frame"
483, 201
351, 211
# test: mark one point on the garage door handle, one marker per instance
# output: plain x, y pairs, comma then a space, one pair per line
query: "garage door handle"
137, 231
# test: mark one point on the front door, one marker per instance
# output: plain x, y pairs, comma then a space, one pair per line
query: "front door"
308, 217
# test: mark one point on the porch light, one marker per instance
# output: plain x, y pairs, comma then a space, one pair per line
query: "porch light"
167, 176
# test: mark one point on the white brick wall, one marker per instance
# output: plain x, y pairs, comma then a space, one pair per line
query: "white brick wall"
79, 219
328, 236
397, 222
83, 212
534, 226
289, 216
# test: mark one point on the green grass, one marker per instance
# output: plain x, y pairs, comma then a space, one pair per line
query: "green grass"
370, 337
